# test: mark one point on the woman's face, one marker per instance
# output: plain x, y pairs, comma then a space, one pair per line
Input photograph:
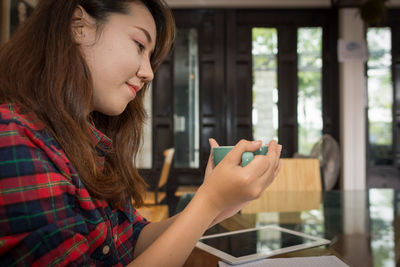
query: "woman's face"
119, 58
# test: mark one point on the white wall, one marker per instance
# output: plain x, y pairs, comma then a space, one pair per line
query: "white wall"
352, 83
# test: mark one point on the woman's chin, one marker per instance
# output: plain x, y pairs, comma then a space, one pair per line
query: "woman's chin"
112, 111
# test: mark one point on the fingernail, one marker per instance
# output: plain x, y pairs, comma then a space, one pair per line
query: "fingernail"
257, 142
279, 148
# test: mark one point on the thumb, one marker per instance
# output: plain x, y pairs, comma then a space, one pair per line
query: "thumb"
212, 142
210, 164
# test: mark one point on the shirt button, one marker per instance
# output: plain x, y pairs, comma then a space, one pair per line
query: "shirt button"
106, 249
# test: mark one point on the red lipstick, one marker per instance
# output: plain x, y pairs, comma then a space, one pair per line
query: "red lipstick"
134, 89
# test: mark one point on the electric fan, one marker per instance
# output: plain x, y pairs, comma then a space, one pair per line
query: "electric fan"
328, 152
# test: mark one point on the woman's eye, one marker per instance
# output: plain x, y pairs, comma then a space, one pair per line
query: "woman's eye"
140, 46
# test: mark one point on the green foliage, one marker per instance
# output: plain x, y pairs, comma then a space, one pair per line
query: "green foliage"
309, 40
373, 11
265, 41
380, 133
309, 49
265, 48
380, 88
310, 83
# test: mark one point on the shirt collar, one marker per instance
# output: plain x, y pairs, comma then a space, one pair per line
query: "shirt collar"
128, 211
102, 142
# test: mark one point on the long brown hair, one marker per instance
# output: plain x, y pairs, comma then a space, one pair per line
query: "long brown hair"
43, 70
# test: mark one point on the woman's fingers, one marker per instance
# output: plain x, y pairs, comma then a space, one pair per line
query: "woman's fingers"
270, 175
274, 153
260, 164
210, 164
230, 185
265, 168
212, 143
278, 168
235, 155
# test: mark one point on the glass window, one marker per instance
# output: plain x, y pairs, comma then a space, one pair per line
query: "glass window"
145, 156
265, 92
309, 98
380, 96
186, 99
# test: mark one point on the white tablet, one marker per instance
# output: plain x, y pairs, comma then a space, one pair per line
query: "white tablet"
257, 243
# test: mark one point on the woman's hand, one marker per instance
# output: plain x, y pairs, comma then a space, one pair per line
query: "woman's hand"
229, 186
210, 166
226, 188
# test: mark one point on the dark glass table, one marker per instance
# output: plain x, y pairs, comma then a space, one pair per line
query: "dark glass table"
363, 226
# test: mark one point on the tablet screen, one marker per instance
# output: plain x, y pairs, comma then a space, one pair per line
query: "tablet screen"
255, 241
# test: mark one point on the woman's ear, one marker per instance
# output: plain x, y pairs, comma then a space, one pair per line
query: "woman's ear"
82, 23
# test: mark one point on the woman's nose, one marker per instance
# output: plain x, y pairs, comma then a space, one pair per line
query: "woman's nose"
145, 71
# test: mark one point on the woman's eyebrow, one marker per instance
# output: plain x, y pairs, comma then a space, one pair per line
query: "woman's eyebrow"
146, 33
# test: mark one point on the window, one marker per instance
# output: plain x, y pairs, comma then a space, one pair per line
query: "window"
265, 89
309, 101
265, 84
380, 96
309, 91
186, 100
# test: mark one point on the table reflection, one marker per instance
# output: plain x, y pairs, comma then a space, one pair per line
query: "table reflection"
363, 226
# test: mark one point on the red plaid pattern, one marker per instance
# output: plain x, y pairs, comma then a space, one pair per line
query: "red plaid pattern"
47, 217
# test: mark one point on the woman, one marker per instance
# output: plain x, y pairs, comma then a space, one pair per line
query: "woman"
72, 82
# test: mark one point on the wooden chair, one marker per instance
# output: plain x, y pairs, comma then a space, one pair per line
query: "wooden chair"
186, 189
154, 213
155, 197
297, 187
152, 210
297, 175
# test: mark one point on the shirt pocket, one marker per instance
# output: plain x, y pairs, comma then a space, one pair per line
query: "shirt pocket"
105, 252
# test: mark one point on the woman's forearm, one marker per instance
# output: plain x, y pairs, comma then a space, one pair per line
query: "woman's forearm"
150, 233
170, 242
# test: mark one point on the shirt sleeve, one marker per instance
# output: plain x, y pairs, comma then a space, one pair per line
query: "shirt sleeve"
131, 217
139, 223
38, 225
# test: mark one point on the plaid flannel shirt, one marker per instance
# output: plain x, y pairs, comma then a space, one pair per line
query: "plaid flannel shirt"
47, 216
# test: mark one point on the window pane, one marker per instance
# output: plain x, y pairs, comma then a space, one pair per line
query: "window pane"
186, 100
265, 92
144, 157
380, 95
309, 98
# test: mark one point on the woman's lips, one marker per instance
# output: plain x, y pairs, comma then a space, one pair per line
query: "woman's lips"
134, 89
